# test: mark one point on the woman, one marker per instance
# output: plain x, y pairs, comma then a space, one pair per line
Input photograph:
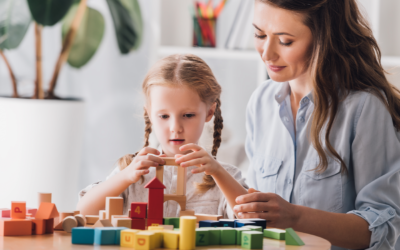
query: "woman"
323, 137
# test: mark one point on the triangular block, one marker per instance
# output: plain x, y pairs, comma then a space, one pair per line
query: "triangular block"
155, 184
47, 211
292, 239
102, 223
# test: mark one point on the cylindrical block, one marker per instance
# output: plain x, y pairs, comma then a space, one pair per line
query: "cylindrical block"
44, 197
188, 233
68, 223
81, 220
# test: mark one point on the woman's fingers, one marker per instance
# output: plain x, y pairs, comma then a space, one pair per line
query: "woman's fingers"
252, 190
148, 150
254, 197
190, 146
253, 207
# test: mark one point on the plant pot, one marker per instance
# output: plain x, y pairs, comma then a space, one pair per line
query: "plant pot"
40, 150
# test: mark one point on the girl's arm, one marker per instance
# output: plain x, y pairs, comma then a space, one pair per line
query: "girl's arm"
95, 199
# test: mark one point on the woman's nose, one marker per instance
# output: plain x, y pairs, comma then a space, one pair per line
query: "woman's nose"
269, 53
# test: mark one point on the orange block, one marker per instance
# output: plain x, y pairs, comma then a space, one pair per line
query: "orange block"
15, 227
18, 209
46, 211
49, 226
38, 226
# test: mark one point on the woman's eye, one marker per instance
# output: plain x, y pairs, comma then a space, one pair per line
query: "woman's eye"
260, 37
189, 115
285, 44
164, 116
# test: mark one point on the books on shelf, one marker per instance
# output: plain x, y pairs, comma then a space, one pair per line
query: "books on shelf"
241, 32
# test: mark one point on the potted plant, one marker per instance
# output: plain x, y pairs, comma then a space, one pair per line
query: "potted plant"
41, 135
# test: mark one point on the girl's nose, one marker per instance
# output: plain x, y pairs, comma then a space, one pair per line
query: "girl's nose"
176, 126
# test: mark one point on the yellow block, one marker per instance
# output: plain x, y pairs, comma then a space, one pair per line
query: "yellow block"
145, 240
171, 239
159, 234
128, 237
155, 228
187, 227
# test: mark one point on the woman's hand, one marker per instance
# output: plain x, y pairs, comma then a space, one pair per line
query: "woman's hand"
142, 162
269, 206
200, 158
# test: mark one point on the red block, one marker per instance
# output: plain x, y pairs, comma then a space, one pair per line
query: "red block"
31, 211
139, 224
151, 222
49, 226
156, 203
5, 213
138, 210
18, 210
15, 227
38, 226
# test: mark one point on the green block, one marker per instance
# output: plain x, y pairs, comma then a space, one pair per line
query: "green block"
274, 233
176, 229
214, 236
292, 238
239, 231
172, 221
255, 228
228, 236
202, 237
252, 240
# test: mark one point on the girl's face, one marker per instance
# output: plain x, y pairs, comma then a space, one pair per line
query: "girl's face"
178, 116
283, 41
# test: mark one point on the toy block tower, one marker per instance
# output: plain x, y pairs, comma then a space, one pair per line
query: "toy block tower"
156, 202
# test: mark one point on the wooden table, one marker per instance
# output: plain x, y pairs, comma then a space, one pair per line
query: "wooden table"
62, 240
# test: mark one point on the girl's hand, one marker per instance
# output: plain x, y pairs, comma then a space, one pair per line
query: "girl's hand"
200, 158
142, 162
269, 206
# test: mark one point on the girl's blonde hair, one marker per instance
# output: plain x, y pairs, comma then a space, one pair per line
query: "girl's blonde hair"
191, 71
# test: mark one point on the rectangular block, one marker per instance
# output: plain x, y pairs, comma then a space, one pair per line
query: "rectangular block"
214, 236
82, 235
138, 210
122, 222
138, 224
259, 222
114, 206
209, 223
239, 231
171, 239
118, 231
18, 210
104, 235
167, 227
15, 227
38, 226
49, 226
186, 213
5, 213
172, 221
202, 237
102, 214
154, 222
145, 240
274, 233
252, 240
201, 217
44, 197
228, 236
255, 228
155, 204
128, 237
155, 228
226, 223
31, 211
241, 223
91, 219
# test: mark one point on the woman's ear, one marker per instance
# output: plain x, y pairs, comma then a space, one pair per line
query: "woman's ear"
211, 112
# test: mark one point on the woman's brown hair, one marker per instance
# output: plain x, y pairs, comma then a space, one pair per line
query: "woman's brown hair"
191, 71
345, 57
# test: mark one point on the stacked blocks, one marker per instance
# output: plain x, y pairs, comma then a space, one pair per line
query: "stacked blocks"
82, 235
138, 215
274, 233
156, 201
252, 240
128, 237
172, 221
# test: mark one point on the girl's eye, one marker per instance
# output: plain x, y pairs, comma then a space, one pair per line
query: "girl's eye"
285, 44
164, 116
260, 37
189, 115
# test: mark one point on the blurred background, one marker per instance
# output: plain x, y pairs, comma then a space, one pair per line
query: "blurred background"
108, 121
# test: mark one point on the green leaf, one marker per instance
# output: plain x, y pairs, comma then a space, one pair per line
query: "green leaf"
49, 12
124, 29
133, 8
15, 19
88, 37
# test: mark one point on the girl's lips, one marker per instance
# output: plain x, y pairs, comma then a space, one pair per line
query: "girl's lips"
176, 141
276, 68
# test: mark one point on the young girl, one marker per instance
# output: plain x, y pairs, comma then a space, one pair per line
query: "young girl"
182, 94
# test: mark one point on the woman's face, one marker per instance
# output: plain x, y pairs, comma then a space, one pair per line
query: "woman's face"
283, 41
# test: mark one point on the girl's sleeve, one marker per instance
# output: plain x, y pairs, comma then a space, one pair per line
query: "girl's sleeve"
376, 166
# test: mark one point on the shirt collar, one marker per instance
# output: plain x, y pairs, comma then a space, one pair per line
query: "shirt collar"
284, 91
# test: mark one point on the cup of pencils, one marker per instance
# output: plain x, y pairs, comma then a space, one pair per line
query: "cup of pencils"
204, 23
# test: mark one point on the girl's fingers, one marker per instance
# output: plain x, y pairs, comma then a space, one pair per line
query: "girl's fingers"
146, 164
196, 162
142, 172
190, 156
148, 150
190, 146
198, 170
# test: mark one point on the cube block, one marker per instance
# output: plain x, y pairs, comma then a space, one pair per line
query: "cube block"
239, 231
122, 222
18, 210
82, 235
202, 237
259, 222
242, 223
214, 236
128, 237
38, 226
171, 239
138, 210
172, 221
138, 224
5, 213
114, 206
104, 235
226, 223
145, 240
273, 233
252, 240
118, 234
49, 226
228, 236
209, 223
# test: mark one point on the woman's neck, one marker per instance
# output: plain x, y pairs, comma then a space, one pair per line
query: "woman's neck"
299, 88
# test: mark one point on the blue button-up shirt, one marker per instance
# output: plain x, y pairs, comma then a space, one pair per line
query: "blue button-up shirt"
283, 160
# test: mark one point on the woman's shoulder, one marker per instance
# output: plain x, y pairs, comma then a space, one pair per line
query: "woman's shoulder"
359, 100
266, 89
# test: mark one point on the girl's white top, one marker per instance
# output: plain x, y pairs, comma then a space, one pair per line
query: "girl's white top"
210, 202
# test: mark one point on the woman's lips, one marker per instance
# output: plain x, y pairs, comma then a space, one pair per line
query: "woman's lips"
276, 68
176, 141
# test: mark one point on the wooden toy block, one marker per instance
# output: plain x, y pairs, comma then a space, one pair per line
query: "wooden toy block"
5, 213
138, 210
239, 231
228, 236
292, 239
187, 228
38, 226
138, 224
122, 222
102, 223
274, 233
128, 237
159, 238
181, 181
242, 223
209, 223
172, 221
214, 236
31, 211
59, 226
160, 173
201, 217
154, 222
102, 214
226, 223
81, 220
156, 199
170, 161
254, 228
171, 239
114, 206
202, 237
252, 240
119, 216
259, 222
76, 212
118, 234
145, 240
181, 199
18, 210
91, 219
155, 228
64, 215
82, 235
167, 227
49, 226
104, 236
186, 213
15, 227
47, 211
68, 223
44, 197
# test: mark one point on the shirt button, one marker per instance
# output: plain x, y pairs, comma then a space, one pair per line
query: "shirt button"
286, 119
305, 100
301, 119
290, 181
278, 96
391, 212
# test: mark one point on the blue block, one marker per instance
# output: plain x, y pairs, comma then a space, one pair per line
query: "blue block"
259, 222
118, 234
241, 223
226, 223
105, 235
209, 223
82, 235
